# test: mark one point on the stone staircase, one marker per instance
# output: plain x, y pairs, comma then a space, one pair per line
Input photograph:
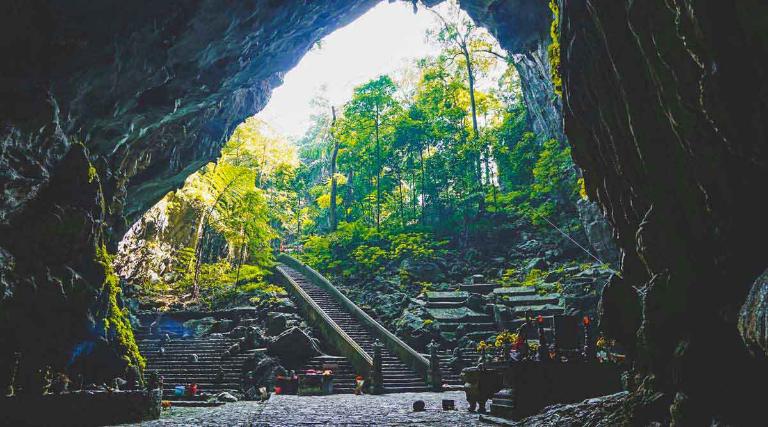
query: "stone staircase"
504, 308
398, 378
176, 368
343, 373
450, 376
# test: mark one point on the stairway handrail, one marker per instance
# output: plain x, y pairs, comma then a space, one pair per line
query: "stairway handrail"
358, 357
414, 359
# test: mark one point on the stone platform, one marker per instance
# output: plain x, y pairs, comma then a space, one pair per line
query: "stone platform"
334, 410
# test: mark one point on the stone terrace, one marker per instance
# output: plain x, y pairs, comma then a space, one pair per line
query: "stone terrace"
334, 410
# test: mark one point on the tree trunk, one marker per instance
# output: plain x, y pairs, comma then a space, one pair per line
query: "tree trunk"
378, 173
332, 220
298, 217
198, 254
423, 186
402, 201
476, 132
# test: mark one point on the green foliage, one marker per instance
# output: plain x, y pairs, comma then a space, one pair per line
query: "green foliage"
92, 173
509, 278
434, 161
370, 258
553, 50
356, 249
534, 277
117, 327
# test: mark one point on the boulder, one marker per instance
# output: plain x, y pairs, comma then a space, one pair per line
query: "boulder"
422, 271
199, 327
278, 322
238, 332
476, 302
293, 347
254, 338
537, 263
284, 305
262, 371
226, 397
530, 247
224, 325
249, 322
554, 276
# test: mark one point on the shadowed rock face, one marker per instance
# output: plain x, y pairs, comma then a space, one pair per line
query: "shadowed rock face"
663, 105
665, 110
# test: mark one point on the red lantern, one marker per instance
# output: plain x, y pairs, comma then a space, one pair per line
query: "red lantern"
586, 320
540, 319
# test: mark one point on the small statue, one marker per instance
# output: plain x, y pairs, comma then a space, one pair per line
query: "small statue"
457, 360
543, 347
132, 377
119, 384
154, 381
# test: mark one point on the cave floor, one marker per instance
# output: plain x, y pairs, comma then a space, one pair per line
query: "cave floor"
335, 410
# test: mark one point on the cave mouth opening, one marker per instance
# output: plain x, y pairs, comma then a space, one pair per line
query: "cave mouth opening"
440, 39
476, 94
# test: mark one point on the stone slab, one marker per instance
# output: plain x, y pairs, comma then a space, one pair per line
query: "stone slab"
515, 291
456, 314
447, 296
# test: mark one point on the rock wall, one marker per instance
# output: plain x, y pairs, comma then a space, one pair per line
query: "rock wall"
545, 109
664, 109
753, 319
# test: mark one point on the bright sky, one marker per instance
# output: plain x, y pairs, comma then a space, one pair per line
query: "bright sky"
382, 41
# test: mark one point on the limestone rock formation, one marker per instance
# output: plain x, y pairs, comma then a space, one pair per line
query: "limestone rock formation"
599, 232
664, 107
753, 319
293, 347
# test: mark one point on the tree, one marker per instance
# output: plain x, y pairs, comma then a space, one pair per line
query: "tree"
334, 155
368, 115
475, 51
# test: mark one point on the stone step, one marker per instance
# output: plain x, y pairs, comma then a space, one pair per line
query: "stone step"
531, 300
544, 310
407, 389
398, 372
458, 315
455, 296
515, 291
444, 304
479, 288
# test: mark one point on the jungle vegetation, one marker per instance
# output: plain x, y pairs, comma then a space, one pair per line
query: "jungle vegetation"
434, 160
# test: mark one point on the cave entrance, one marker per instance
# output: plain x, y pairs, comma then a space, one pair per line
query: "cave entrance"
411, 168
358, 134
